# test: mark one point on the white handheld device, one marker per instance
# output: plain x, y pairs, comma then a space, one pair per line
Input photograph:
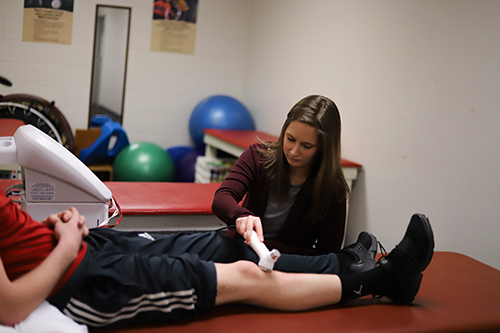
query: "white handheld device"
267, 258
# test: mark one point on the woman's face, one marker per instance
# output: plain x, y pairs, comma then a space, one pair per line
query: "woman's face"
300, 145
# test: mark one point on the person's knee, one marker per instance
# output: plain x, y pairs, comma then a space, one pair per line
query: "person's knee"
238, 281
249, 270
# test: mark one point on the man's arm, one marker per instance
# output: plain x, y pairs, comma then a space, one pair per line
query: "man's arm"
21, 297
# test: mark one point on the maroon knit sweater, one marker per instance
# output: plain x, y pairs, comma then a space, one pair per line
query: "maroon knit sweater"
298, 235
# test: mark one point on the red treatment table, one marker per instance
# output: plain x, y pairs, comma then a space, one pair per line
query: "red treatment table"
158, 207
234, 142
458, 294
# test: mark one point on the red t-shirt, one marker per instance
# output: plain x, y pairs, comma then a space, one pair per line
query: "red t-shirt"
25, 243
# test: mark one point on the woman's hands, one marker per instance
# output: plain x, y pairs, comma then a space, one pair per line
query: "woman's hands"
247, 224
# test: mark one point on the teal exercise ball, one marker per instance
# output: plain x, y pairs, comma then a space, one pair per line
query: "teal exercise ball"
143, 162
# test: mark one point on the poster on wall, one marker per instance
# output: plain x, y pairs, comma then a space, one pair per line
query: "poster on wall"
174, 26
48, 21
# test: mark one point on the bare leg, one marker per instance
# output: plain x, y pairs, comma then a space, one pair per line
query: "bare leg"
397, 276
245, 282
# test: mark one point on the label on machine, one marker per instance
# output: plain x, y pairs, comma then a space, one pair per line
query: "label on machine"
42, 191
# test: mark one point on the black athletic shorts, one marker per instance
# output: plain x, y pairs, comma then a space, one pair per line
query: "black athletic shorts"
136, 277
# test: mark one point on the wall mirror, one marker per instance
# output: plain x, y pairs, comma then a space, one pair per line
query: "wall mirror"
109, 65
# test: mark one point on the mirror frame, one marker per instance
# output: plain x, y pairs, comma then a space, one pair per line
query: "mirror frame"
90, 115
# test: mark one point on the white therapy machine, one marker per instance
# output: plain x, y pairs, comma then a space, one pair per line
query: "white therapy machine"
53, 178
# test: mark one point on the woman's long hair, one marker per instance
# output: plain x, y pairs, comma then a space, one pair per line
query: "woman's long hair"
326, 177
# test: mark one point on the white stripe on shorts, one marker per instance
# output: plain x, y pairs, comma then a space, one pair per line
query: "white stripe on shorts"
163, 302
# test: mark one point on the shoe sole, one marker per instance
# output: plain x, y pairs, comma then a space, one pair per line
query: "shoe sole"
409, 296
429, 234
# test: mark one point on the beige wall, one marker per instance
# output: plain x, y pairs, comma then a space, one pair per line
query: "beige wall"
418, 87
162, 88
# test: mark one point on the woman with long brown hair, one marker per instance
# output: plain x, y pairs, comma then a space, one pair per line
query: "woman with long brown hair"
294, 190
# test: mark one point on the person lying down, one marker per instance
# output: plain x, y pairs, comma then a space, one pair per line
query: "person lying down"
105, 277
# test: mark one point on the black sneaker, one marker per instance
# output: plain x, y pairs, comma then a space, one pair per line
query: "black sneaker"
364, 255
409, 259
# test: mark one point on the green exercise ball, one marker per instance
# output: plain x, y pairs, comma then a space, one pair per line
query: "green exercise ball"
143, 162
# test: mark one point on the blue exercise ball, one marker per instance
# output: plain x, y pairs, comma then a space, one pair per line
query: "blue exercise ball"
143, 162
186, 168
178, 152
219, 112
